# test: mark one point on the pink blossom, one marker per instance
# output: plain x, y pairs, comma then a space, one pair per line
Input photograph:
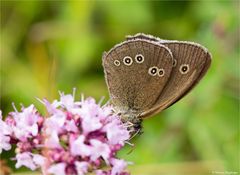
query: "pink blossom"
26, 123
4, 128
4, 142
99, 149
79, 148
101, 172
118, 166
70, 125
22, 131
105, 112
55, 122
5, 132
25, 159
75, 137
52, 141
90, 124
119, 135
89, 115
57, 169
67, 101
89, 108
82, 167
39, 159
51, 107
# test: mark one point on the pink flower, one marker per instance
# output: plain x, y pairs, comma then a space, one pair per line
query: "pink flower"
52, 141
101, 172
105, 112
4, 142
70, 125
117, 169
26, 123
99, 149
39, 159
116, 133
89, 113
76, 137
82, 167
57, 169
67, 102
118, 166
51, 107
79, 148
5, 132
56, 122
89, 108
5, 129
22, 132
90, 124
25, 159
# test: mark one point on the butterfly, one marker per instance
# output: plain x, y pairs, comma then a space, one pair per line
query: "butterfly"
146, 74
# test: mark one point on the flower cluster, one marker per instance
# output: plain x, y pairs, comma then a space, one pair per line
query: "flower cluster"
74, 138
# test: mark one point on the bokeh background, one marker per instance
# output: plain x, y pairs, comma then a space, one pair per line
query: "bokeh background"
48, 46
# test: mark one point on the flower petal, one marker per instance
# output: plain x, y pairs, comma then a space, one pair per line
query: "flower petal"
99, 149
118, 166
4, 142
82, 167
25, 159
57, 169
52, 141
79, 148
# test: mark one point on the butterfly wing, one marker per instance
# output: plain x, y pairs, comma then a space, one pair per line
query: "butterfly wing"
204, 58
133, 84
191, 62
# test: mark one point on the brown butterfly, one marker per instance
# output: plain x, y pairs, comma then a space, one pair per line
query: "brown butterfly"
146, 75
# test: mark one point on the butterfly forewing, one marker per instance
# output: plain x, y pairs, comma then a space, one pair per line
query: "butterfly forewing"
133, 84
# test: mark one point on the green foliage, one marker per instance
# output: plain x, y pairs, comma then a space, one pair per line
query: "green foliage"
48, 46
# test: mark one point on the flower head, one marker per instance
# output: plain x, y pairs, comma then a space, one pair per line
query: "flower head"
77, 137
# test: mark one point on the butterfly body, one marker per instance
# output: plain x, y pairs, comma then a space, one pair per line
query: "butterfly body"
145, 74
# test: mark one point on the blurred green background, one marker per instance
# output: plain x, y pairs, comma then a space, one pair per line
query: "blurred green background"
48, 46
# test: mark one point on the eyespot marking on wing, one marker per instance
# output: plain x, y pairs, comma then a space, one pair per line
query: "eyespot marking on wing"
184, 68
116, 62
127, 60
139, 58
153, 71
161, 72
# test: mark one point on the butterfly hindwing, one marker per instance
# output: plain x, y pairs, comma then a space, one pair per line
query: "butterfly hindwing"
191, 61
